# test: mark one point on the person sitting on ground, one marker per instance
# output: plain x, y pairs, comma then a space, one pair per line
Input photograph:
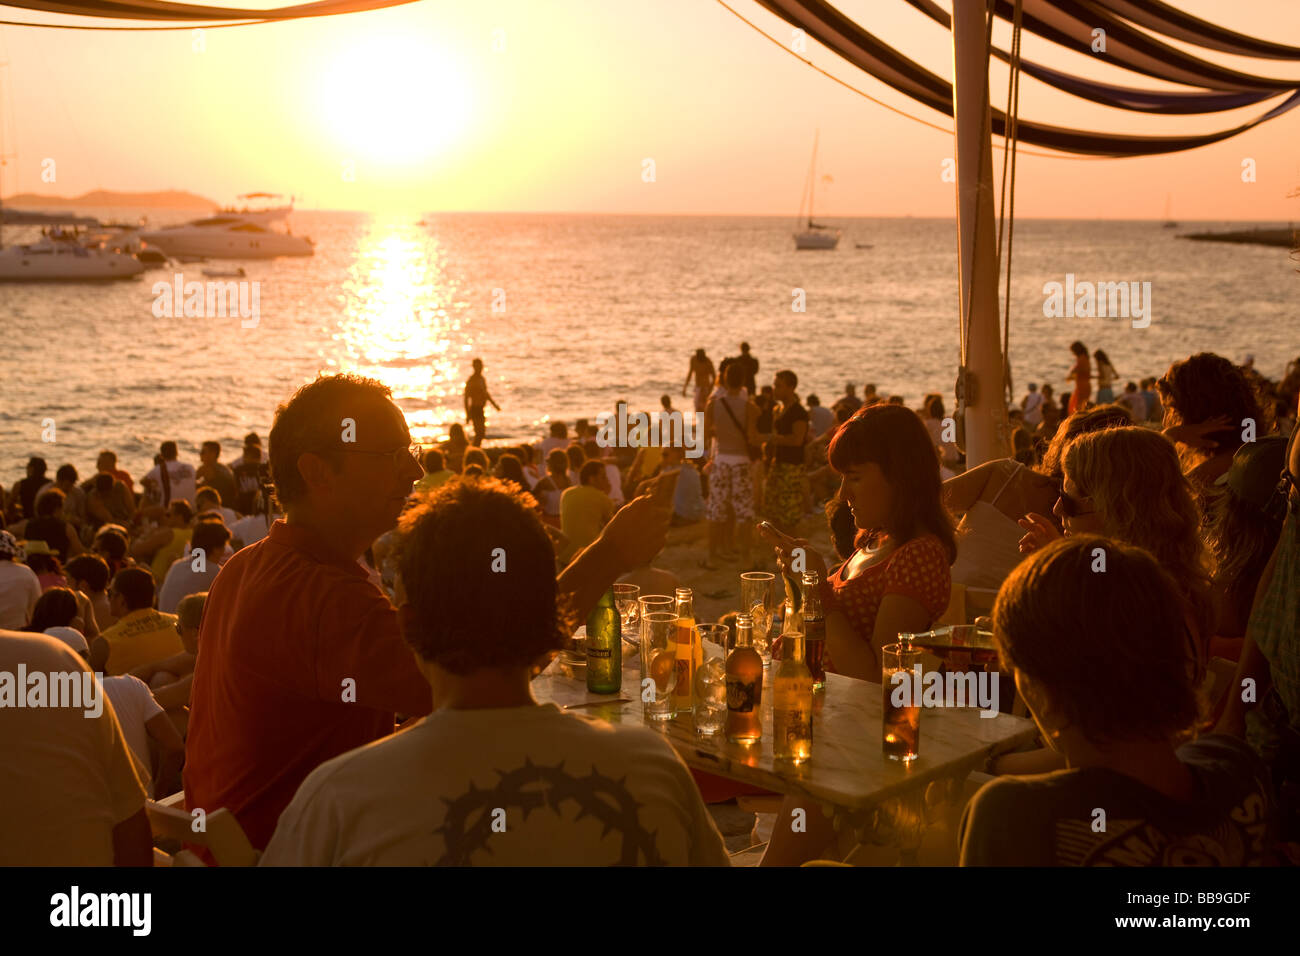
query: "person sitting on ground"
585, 509
109, 502
50, 525
45, 563
1245, 522
1133, 401
209, 501
160, 547
65, 607
477, 637
106, 464
509, 468
1208, 404
74, 500
577, 458
1032, 406
849, 401
178, 482
212, 473
170, 678
558, 438
248, 480
69, 791
195, 571
88, 574
26, 490
143, 720
296, 618
820, 418
688, 495
19, 587
528, 456
1101, 661
110, 543
435, 471
141, 634
549, 490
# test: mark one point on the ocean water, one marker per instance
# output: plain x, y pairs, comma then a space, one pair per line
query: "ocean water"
589, 310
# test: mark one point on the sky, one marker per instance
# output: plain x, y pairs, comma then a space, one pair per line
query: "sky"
520, 105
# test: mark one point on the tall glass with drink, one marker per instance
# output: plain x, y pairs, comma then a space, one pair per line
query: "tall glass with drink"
758, 599
658, 663
900, 688
688, 651
711, 679
814, 628
627, 599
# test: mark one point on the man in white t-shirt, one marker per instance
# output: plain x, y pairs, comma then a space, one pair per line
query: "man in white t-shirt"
19, 587
491, 777
190, 575
69, 792
180, 478
141, 718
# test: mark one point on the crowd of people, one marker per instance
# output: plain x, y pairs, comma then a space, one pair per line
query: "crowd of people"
335, 639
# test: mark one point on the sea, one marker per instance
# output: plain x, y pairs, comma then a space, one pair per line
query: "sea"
572, 313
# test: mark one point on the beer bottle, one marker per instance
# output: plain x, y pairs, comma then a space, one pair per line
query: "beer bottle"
688, 654
604, 647
744, 686
792, 703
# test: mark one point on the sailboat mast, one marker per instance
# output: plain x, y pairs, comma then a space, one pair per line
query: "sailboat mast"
812, 177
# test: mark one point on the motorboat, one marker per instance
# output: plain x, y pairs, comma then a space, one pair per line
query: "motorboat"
230, 235
60, 256
814, 235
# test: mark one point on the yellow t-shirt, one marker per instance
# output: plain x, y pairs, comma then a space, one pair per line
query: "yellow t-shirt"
140, 637
584, 510
162, 561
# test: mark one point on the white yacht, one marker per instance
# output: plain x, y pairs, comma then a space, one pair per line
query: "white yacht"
814, 235
242, 234
62, 257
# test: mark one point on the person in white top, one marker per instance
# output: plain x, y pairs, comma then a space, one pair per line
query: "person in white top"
492, 778
69, 791
142, 719
190, 574
19, 587
1032, 405
180, 478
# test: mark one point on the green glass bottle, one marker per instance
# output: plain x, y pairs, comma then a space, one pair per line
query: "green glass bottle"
604, 647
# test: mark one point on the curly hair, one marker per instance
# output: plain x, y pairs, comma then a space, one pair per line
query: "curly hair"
1207, 385
1080, 423
1133, 476
894, 438
478, 569
1110, 650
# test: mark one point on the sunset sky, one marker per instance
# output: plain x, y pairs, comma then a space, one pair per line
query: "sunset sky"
426, 114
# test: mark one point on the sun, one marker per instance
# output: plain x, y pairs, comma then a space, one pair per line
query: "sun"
395, 100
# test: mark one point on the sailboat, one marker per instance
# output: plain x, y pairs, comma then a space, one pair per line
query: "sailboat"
1169, 223
814, 235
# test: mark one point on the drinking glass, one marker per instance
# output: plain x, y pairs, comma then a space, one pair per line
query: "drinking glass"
758, 598
627, 600
902, 700
711, 679
658, 662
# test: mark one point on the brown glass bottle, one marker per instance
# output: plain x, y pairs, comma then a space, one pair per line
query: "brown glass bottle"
744, 686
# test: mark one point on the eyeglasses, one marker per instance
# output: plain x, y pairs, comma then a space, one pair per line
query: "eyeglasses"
398, 456
1071, 507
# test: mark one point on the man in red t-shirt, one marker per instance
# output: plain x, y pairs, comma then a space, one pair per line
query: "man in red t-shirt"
301, 657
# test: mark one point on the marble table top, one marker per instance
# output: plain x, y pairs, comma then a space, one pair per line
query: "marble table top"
848, 768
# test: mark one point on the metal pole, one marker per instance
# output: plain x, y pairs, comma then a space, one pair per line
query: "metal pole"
985, 410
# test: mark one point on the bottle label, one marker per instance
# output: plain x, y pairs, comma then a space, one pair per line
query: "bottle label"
600, 653
683, 677
793, 725
741, 695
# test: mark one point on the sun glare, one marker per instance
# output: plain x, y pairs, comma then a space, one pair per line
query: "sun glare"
395, 100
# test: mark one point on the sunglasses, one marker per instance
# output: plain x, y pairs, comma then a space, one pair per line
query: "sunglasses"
1071, 506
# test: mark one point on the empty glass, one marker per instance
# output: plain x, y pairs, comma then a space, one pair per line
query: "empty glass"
658, 662
711, 680
627, 600
758, 598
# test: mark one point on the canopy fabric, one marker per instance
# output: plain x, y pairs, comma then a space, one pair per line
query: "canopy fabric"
157, 10
1110, 94
1162, 18
867, 52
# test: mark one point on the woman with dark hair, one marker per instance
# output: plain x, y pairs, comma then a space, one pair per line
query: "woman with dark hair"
57, 607
1106, 376
897, 579
511, 468
111, 544
1208, 404
453, 449
1080, 377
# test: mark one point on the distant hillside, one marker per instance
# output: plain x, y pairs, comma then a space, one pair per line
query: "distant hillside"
167, 199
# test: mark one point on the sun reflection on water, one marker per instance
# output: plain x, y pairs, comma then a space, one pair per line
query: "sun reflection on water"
405, 322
